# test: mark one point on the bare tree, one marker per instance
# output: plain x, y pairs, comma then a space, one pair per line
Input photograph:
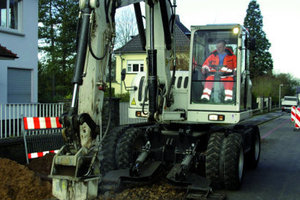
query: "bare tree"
125, 26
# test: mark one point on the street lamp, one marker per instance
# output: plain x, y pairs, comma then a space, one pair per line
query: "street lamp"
281, 85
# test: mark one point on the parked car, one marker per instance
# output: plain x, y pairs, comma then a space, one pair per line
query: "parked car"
288, 102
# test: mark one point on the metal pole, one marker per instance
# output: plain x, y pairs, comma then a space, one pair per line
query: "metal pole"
280, 95
24, 138
121, 71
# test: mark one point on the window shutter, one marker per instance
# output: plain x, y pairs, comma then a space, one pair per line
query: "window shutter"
19, 86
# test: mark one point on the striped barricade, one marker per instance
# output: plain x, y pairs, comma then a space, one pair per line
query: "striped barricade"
297, 118
39, 154
38, 123
293, 113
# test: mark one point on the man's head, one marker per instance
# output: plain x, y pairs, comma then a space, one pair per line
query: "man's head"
220, 46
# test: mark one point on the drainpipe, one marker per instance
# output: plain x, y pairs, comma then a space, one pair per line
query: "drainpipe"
121, 70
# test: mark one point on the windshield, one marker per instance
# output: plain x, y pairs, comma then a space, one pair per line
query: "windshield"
290, 98
214, 67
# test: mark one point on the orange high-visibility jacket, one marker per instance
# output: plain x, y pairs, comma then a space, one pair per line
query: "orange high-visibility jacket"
229, 60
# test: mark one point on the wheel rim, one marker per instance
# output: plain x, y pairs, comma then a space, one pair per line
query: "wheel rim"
256, 148
241, 164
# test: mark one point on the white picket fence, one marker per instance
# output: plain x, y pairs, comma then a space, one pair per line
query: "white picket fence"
11, 116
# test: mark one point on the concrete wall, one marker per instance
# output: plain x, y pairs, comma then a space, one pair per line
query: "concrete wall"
23, 42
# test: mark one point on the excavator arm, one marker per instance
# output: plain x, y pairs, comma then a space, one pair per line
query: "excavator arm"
76, 167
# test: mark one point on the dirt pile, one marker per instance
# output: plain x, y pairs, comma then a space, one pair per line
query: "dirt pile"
158, 191
42, 165
18, 182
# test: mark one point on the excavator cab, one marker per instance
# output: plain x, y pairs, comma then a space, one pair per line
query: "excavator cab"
221, 91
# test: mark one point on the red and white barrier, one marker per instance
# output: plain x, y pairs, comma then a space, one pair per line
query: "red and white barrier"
297, 118
38, 123
40, 154
293, 113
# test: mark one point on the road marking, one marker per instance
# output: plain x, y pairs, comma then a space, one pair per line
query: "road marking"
274, 129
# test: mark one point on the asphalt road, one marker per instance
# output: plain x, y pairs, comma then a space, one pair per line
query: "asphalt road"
277, 176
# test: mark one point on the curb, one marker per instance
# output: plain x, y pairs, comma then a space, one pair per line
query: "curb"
265, 121
261, 119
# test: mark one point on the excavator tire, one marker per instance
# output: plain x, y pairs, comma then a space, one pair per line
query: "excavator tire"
233, 160
107, 153
252, 157
212, 162
129, 147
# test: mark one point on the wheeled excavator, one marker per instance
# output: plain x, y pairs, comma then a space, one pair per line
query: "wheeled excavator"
195, 144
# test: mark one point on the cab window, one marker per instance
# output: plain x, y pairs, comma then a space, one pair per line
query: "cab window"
214, 63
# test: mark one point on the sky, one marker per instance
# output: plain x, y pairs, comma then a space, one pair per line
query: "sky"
280, 23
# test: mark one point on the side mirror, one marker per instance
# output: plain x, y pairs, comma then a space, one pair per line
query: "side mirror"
123, 74
250, 43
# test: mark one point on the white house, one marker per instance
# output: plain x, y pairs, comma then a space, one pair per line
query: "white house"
19, 67
19, 49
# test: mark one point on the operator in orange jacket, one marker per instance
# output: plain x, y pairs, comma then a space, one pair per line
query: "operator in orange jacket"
222, 56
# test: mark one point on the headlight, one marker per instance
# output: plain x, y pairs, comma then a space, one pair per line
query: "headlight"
215, 117
236, 30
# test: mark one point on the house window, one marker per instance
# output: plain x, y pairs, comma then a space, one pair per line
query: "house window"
19, 85
135, 66
10, 13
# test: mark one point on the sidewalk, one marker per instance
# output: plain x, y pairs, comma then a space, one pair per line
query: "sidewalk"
263, 118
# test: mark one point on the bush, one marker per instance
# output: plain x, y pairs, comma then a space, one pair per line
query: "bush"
123, 97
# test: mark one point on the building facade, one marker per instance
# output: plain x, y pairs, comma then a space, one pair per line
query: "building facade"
19, 37
133, 58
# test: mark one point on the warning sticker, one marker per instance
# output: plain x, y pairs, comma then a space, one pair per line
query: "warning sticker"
133, 102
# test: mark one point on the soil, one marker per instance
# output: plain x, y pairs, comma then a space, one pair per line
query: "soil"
19, 182
42, 166
158, 191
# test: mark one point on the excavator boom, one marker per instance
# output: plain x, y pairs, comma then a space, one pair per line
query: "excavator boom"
76, 167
